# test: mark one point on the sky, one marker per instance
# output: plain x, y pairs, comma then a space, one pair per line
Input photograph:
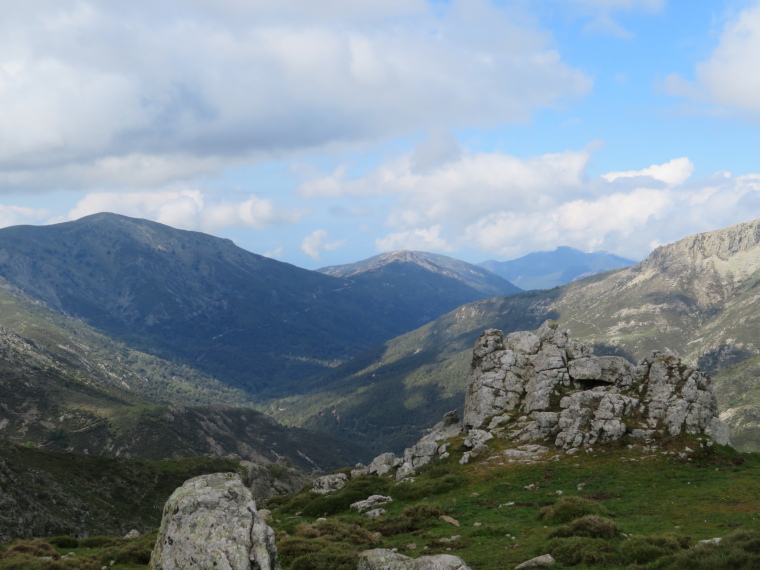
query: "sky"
322, 133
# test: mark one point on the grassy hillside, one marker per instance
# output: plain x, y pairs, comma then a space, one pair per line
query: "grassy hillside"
649, 507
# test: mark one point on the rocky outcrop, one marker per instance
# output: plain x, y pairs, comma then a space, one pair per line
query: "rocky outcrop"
546, 387
429, 447
384, 559
329, 483
211, 522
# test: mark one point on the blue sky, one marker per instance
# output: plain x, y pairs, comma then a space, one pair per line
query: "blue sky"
321, 133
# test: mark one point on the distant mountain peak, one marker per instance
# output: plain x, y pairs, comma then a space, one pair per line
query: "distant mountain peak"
549, 269
477, 278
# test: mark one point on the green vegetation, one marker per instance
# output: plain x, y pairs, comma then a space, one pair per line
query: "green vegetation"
68, 553
619, 507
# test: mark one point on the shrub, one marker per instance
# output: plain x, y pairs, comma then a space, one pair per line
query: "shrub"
411, 519
422, 489
36, 548
580, 550
98, 541
337, 530
334, 557
591, 526
566, 509
64, 541
638, 551
132, 553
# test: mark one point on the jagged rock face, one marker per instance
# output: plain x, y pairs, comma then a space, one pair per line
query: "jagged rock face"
546, 387
212, 522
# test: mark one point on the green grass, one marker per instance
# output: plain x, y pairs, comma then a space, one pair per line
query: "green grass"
613, 511
618, 508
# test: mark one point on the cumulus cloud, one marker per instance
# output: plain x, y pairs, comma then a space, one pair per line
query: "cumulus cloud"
226, 81
15, 215
729, 77
188, 209
419, 239
318, 241
505, 206
673, 172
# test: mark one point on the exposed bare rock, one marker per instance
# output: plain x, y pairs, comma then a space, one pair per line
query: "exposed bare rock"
537, 562
384, 559
383, 463
329, 483
546, 387
372, 502
212, 522
428, 446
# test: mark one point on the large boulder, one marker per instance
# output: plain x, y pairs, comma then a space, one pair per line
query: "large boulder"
545, 387
211, 522
384, 559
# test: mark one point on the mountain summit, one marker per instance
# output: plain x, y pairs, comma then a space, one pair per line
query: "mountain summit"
422, 285
547, 269
484, 282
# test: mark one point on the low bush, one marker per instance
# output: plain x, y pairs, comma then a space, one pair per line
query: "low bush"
422, 489
590, 526
64, 541
580, 550
339, 531
334, 557
411, 519
566, 509
36, 548
98, 541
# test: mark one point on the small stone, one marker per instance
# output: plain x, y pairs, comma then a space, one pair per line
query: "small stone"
477, 524
537, 562
411, 546
448, 519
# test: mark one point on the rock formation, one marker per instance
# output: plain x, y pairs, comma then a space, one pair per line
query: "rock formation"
546, 387
212, 522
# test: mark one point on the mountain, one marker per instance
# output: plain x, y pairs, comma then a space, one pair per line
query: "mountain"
253, 323
54, 403
548, 269
422, 283
697, 297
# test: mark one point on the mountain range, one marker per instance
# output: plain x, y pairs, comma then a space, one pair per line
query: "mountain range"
548, 269
696, 297
256, 324
131, 338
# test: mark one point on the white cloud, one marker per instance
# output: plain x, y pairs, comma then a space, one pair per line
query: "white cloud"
188, 209
674, 172
729, 77
193, 85
15, 215
505, 206
419, 239
317, 241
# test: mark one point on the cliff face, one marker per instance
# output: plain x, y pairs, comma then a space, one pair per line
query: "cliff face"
546, 387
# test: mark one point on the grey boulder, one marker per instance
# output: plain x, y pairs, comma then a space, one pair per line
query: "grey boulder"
211, 522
